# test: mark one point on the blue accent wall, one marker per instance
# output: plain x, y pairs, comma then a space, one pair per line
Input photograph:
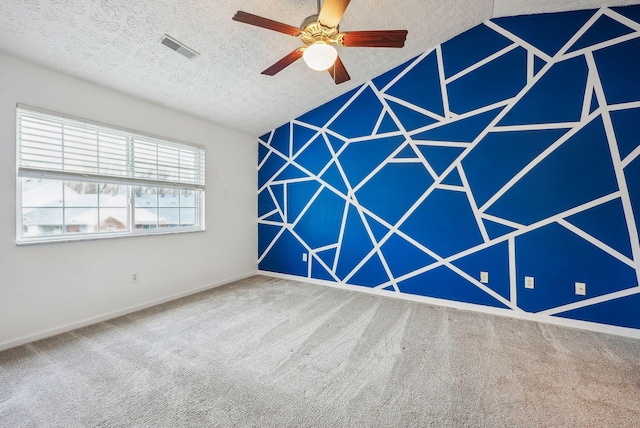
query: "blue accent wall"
512, 149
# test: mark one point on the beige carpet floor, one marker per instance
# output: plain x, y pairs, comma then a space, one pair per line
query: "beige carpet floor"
266, 352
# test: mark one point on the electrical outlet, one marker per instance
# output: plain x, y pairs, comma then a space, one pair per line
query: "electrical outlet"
581, 289
528, 282
304, 257
484, 277
134, 277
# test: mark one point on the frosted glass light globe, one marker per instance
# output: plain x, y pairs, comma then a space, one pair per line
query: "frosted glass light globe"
320, 56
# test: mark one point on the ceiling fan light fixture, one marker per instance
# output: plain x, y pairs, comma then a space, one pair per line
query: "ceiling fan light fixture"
320, 33
320, 56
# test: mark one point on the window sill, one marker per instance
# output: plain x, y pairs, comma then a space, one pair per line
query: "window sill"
80, 238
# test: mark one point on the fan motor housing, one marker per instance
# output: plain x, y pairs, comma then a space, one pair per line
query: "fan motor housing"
313, 31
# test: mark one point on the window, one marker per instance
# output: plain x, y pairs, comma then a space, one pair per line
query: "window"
82, 180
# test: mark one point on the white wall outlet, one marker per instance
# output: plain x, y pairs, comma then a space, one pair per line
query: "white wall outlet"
304, 257
484, 277
134, 277
581, 288
528, 282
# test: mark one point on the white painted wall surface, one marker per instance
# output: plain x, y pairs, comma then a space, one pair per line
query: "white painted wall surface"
50, 288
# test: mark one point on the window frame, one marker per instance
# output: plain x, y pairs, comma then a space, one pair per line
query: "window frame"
129, 182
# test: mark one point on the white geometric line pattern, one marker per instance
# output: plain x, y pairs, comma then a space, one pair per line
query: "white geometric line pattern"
508, 149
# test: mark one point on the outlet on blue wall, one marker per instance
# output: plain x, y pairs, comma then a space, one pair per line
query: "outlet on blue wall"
523, 161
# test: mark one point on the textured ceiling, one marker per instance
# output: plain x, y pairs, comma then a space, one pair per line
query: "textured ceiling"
115, 43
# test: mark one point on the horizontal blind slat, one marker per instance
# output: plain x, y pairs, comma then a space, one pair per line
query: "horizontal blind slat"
103, 178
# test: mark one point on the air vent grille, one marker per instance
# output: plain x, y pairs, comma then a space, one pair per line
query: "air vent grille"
187, 52
179, 47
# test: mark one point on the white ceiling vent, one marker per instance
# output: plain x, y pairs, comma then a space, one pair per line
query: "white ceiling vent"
179, 47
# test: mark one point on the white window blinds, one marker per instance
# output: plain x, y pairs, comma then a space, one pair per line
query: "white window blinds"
56, 147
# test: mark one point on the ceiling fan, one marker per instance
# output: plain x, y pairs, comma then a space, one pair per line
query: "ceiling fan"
319, 32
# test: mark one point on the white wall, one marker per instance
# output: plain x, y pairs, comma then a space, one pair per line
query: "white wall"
53, 287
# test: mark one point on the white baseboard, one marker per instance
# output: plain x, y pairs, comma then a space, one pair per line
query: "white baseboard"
547, 319
114, 314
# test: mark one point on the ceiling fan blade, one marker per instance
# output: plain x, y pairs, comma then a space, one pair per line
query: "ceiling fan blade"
375, 39
332, 11
284, 62
269, 24
338, 72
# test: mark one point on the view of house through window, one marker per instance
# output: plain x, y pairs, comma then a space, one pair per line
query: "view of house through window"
147, 186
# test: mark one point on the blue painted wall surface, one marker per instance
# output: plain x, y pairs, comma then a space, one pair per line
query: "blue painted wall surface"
513, 149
